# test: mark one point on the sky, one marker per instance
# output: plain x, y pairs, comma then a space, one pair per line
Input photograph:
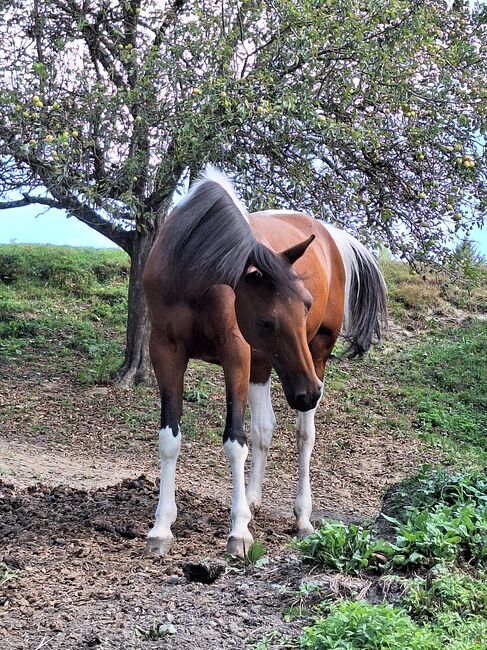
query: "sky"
33, 225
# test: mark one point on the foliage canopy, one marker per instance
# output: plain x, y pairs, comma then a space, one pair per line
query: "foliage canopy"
372, 115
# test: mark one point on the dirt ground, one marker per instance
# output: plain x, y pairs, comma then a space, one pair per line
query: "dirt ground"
78, 495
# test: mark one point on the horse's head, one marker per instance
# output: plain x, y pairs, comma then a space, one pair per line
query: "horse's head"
272, 304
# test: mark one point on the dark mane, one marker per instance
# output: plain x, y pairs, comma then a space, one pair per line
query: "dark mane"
208, 241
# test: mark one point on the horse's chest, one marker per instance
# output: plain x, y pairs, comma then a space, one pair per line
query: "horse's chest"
202, 345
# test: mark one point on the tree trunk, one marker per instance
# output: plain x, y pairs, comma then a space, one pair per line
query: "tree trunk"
136, 368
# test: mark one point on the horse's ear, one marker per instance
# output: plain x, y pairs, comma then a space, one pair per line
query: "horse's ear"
252, 273
295, 252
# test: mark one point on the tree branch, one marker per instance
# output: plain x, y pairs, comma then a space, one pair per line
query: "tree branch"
83, 213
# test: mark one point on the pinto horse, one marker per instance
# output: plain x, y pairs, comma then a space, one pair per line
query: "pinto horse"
251, 292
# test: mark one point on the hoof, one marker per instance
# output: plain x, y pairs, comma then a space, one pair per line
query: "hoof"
254, 507
304, 531
238, 547
156, 546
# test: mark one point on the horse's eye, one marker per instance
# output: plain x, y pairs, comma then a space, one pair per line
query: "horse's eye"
265, 324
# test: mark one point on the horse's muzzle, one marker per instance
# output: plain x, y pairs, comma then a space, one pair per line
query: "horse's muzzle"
304, 401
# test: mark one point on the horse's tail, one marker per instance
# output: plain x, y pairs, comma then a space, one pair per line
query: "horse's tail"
207, 240
365, 294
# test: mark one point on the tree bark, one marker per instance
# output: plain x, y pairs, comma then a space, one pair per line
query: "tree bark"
136, 368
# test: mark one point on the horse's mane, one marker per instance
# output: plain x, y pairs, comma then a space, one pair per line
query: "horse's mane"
207, 240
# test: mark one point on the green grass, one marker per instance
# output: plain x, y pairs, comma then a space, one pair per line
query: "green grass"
70, 301
444, 533
448, 382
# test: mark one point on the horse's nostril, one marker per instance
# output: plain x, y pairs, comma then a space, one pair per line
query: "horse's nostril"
305, 401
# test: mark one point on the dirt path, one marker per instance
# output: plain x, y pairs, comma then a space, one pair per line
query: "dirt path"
74, 512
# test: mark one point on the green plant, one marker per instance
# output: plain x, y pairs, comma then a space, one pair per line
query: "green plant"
155, 631
442, 533
440, 517
255, 555
445, 590
7, 573
348, 548
300, 605
361, 626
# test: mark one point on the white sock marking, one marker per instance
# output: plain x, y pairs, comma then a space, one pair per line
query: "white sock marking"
305, 438
241, 514
169, 446
262, 423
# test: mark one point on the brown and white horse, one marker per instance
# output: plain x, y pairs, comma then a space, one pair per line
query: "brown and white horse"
251, 292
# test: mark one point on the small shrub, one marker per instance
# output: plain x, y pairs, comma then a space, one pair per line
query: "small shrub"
361, 626
346, 548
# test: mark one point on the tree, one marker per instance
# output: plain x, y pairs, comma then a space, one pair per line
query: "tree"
370, 115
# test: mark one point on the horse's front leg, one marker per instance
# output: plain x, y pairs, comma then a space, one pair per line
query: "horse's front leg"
236, 366
169, 364
305, 438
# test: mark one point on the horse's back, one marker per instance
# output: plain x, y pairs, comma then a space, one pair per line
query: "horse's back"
321, 267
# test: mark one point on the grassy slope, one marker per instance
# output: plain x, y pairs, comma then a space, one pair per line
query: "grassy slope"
65, 309
433, 383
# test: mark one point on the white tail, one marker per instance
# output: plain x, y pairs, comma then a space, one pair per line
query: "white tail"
365, 293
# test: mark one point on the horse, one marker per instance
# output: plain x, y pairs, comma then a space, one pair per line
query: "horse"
251, 292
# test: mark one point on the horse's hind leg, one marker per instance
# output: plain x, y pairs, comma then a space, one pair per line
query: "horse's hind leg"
169, 366
262, 423
305, 438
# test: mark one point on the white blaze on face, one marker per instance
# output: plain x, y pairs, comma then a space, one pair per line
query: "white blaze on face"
241, 515
305, 437
169, 446
262, 424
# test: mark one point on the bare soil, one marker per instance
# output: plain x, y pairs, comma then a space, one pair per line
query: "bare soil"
78, 495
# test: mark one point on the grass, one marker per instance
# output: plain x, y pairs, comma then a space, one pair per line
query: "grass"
72, 301
443, 533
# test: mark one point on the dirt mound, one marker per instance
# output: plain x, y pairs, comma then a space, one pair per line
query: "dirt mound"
63, 514
83, 580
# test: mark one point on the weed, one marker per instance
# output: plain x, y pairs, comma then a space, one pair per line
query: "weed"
255, 555
7, 573
273, 639
198, 394
361, 626
348, 548
300, 606
445, 590
155, 631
